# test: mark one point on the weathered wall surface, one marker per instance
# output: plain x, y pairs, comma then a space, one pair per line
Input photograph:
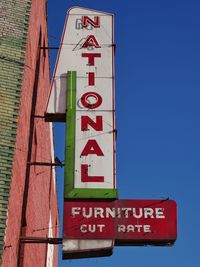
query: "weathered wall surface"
14, 19
28, 206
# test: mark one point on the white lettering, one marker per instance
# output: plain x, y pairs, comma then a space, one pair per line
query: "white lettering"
98, 212
91, 228
75, 211
137, 216
148, 212
121, 228
100, 226
126, 210
130, 228
110, 213
138, 228
87, 215
122, 212
118, 213
147, 228
160, 213
83, 228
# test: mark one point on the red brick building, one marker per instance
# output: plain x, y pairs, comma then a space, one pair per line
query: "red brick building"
28, 200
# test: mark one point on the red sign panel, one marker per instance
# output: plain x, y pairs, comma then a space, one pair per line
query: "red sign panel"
126, 221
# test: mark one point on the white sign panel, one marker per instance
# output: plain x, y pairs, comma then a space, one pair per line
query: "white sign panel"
87, 55
86, 47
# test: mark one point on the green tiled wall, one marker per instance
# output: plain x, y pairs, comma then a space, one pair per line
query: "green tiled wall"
14, 20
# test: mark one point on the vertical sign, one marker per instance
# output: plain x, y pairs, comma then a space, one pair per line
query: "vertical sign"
83, 90
83, 85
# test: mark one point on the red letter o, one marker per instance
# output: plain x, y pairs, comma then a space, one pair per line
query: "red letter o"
85, 102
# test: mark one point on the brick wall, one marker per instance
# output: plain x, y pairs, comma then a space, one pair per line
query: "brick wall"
27, 192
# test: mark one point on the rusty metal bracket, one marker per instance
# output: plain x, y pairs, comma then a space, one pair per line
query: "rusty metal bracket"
41, 240
46, 164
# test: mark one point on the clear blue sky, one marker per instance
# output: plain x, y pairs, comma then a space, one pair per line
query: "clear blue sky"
157, 114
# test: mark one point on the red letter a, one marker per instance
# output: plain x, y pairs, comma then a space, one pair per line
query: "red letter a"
92, 148
91, 41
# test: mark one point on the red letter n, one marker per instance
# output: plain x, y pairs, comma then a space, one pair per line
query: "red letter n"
85, 121
95, 23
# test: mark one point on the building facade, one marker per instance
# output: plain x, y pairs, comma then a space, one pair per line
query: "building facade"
28, 200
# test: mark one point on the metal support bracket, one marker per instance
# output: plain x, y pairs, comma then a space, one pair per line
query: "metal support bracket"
46, 164
49, 48
41, 240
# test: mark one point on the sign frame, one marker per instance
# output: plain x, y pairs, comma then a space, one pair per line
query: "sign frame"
69, 191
